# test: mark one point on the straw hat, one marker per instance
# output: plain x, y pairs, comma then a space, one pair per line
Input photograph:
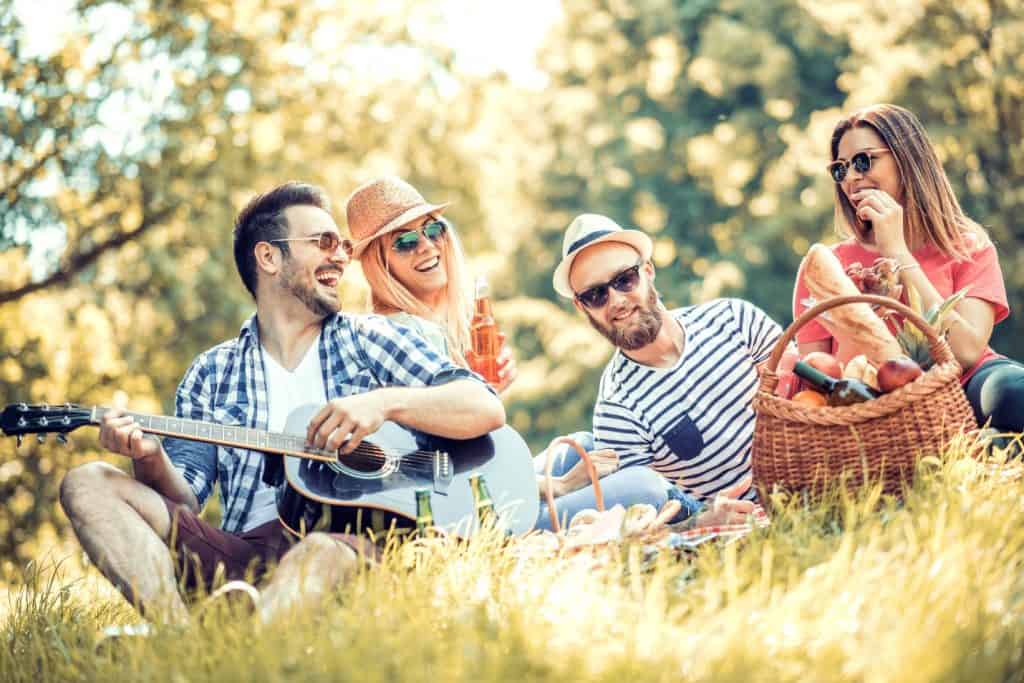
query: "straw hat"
587, 230
379, 206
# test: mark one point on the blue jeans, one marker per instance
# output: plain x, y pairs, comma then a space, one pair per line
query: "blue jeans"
625, 487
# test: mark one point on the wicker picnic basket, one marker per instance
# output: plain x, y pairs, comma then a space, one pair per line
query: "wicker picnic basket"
803, 448
549, 494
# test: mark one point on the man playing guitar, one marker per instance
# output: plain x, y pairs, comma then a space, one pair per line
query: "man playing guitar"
297, 349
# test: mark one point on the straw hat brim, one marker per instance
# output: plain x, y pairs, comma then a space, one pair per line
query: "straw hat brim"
634, 238
398, 221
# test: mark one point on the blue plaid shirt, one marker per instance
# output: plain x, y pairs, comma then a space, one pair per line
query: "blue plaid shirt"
227, 385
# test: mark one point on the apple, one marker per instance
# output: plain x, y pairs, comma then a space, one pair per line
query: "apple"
896, 372
824, 363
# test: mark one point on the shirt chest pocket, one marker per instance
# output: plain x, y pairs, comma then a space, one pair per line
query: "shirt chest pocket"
684, 439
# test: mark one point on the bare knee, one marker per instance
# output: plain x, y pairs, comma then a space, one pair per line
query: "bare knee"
321, 554
320, 545
88, 485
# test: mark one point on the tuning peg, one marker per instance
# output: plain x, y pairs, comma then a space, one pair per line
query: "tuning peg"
41, 438
62, 438
18, 439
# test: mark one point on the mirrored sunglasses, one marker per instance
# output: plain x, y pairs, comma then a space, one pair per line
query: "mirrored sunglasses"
624, 282
408, 241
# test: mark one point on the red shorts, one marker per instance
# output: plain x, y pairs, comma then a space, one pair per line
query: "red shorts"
205, 555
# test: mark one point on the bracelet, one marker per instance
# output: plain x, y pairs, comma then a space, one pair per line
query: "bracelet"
907, 266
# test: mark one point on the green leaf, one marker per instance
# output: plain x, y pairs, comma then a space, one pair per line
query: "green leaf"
939, 313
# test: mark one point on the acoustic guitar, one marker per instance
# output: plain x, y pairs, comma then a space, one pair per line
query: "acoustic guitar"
382, 473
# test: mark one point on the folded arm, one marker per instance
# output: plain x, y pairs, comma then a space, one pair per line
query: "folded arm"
461, 409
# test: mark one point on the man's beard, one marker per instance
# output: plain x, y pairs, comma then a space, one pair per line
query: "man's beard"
641, 333
313, 300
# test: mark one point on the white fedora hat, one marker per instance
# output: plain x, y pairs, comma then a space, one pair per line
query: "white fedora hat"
587, 230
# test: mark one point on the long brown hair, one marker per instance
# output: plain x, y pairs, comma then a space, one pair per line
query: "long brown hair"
388, 295
931, 212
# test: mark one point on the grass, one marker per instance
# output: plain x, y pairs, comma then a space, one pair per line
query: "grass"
856, 588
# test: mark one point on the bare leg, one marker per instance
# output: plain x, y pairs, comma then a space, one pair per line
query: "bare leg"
306, 576
123, 525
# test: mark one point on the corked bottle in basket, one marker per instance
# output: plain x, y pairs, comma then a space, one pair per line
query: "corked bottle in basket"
804, 448
838, 392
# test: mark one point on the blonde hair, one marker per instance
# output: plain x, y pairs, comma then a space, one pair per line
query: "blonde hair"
388, 295
932, 214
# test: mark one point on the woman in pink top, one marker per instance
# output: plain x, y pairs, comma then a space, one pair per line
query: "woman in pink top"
893, 200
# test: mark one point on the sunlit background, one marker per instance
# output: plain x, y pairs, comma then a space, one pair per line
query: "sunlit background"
131, 132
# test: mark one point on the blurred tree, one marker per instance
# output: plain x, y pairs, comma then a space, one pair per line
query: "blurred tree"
133, 141
676, 117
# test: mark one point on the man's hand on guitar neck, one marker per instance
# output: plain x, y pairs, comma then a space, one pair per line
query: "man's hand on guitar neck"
121, 434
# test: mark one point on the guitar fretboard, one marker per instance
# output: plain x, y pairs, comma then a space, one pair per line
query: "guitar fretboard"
235, 437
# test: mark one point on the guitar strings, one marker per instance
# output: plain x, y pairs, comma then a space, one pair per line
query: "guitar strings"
364, 451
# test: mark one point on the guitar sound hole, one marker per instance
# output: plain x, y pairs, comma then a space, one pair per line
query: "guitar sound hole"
361, 463
366, 458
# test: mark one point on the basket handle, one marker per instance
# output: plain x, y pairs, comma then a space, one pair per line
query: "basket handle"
940, 350
549, 494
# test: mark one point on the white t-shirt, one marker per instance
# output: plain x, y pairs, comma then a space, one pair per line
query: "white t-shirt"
286, 391
692, 422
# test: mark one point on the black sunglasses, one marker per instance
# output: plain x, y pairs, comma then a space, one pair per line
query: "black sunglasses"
861, 162
408, 241
625, 282
328, 242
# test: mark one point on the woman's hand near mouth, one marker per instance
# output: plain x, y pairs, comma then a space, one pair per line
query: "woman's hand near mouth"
886, 218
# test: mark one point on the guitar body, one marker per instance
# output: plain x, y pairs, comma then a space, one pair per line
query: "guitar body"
407, 460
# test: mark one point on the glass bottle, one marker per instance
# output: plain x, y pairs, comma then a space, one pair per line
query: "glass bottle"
839, 392
424, 513
483, 333
482, 500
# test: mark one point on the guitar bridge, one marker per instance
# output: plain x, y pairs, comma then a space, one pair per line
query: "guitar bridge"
443, 473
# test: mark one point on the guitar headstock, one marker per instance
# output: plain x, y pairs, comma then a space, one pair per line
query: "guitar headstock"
21, 418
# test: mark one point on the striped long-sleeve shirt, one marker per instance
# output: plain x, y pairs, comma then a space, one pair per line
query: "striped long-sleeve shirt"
692, 422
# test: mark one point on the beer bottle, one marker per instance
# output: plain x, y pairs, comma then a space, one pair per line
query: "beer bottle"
839, 392
483, 332
482, 500
424, 513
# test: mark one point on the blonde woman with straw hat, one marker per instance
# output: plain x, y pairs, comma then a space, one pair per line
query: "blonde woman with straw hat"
415, 267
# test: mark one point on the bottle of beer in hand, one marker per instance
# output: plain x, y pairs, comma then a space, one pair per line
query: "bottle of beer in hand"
839, 392
483, 333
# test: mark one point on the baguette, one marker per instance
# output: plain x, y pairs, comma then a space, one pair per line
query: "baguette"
856, 327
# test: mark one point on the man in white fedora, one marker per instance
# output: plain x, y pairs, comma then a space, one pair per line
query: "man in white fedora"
676, 395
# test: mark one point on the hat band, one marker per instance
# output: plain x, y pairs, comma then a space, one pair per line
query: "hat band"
584, 241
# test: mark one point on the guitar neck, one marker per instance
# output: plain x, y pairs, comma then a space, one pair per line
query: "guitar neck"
223, 435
